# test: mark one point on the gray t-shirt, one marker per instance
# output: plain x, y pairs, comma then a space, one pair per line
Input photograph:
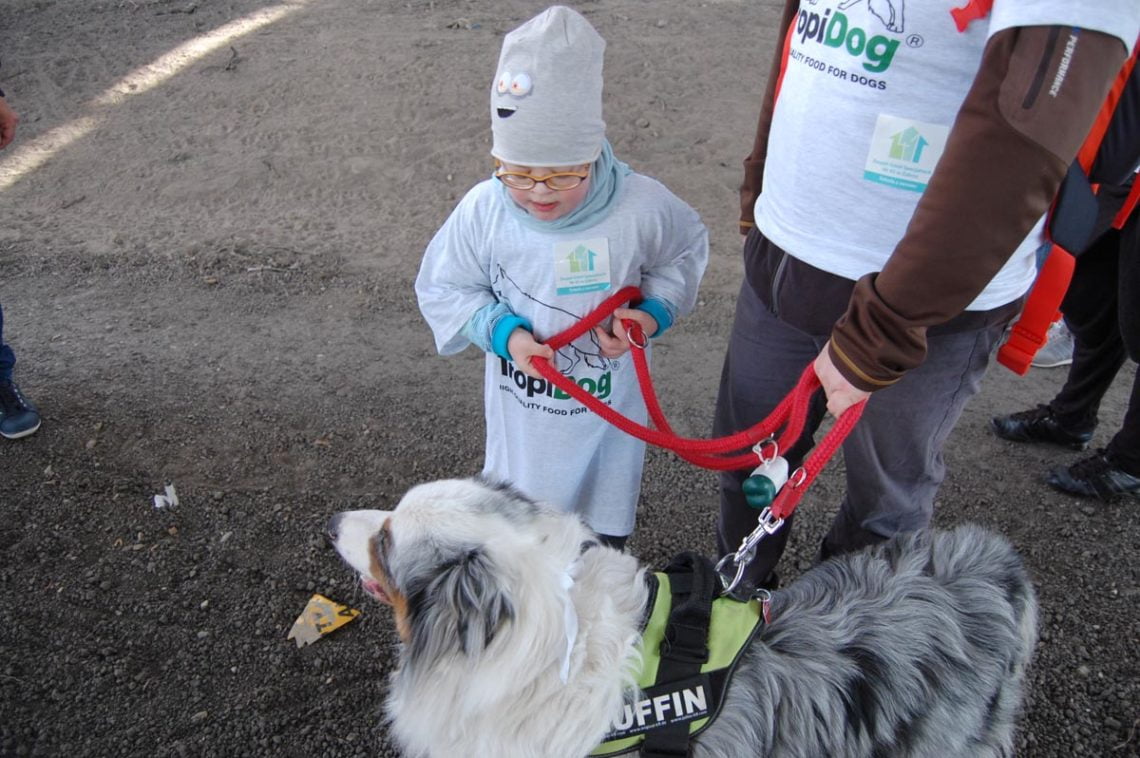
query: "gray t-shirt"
869, 93
539, 439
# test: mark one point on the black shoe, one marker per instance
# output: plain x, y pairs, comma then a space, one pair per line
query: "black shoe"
1096, 476
1039, 425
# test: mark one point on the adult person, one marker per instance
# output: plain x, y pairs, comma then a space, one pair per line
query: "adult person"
18, 416
893, 203
1102, 309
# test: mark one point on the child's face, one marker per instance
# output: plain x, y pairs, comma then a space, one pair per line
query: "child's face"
542, 202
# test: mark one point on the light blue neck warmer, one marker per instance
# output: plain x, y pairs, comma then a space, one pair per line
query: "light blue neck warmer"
607, 176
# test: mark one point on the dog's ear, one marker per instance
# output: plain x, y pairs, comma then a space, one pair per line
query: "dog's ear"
462, 605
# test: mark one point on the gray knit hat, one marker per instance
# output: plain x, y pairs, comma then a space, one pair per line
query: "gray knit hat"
546, 100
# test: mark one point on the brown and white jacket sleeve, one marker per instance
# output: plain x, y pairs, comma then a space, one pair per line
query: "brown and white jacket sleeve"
1022, 122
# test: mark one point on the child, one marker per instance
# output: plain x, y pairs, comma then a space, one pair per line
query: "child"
560, 227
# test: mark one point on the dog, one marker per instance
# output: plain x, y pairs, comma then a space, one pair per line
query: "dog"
916, 647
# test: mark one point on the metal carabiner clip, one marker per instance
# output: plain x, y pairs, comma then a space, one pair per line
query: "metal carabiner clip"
766, 450
632, 330
767, 524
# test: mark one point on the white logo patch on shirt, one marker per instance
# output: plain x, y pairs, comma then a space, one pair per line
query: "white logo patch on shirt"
582, 266
904, 152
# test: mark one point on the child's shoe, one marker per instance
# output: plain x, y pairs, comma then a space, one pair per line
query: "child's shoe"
18, 417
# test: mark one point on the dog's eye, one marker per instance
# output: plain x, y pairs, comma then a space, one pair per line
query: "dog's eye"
381, 546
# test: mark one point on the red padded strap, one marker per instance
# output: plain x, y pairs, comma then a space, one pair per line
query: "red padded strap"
1028, 333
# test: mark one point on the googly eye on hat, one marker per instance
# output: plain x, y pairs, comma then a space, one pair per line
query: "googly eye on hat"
546, 99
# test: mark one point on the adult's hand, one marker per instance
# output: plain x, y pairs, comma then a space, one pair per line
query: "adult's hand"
841, 394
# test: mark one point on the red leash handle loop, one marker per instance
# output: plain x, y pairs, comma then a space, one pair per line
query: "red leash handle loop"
791, 493
597, 316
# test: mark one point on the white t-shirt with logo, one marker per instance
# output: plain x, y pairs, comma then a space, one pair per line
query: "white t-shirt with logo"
870, 91
538, 438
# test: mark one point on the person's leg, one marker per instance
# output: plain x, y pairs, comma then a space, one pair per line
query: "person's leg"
893, 456
18, 416
1115, 470
1090, 309
764, 360
1124, 447
7, 357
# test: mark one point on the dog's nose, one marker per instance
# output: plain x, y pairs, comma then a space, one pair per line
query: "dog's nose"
333, 528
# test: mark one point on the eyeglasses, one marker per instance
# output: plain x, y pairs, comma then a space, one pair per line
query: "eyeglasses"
562, 180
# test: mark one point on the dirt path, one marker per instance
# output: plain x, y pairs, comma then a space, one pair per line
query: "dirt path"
206, 264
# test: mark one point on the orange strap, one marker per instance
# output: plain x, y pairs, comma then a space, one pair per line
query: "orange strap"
1041, 309
1087, 154
787, 51
1130, 204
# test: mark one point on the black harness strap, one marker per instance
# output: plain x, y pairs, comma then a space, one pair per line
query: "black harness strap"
693, 583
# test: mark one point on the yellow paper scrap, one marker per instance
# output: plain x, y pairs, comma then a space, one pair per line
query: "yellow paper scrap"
320, 617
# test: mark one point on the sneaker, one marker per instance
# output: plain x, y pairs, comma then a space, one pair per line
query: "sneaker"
1096, 476
1039, 425
18, 417
1058, 347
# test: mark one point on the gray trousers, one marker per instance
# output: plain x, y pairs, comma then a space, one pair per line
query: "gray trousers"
894, 454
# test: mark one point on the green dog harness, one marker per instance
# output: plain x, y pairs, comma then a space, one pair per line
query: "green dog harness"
690, 646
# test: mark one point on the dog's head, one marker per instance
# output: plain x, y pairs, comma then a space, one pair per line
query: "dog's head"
457, 559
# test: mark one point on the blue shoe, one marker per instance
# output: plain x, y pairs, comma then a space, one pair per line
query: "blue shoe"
18, 417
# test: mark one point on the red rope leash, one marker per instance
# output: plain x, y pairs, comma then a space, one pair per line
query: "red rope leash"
663, 436
714, 454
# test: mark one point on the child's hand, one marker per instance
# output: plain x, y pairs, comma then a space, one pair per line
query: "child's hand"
523, 346
8, 121
615, 345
